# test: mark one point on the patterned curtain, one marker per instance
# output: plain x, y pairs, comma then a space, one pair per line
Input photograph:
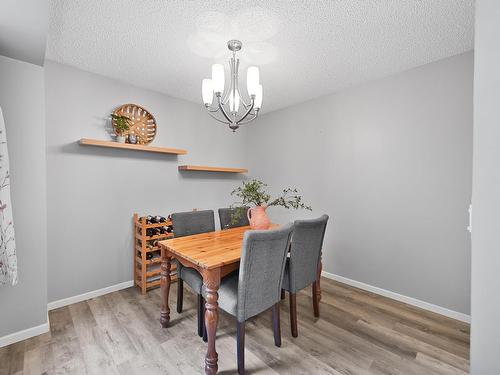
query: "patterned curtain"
8, 259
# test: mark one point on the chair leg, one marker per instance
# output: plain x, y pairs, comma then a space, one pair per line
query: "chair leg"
205, 337
282, 294
276, 325
201, 315
293, 313
315, 297
180, 294
240, 346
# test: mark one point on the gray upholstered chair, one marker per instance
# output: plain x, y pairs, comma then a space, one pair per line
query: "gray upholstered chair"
257, 285
187, 224
302, 266
226, 218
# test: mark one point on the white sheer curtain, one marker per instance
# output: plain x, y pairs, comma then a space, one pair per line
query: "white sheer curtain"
8, 259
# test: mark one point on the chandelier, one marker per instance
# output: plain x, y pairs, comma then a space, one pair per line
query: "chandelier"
228, 102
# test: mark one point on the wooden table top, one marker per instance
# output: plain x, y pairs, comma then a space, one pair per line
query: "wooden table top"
209, 250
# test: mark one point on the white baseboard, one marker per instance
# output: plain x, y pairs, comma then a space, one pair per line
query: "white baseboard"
399, 297
85, 296
24, 334
38, 330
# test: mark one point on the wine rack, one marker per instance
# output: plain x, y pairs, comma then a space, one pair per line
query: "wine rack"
147, 255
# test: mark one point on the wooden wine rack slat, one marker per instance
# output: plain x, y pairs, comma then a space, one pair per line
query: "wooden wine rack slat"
143, 272
158, 237
156, 283
148, 250
156, 225
156, 260
150, 274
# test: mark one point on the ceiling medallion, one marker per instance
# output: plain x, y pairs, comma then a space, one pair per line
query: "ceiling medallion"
227, 102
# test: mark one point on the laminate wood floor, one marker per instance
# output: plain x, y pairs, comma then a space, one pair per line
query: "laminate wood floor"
358, 333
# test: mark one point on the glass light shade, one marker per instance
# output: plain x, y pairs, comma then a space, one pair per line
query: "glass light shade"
252, 80
207, 91
258, 97
234, 102
218, 78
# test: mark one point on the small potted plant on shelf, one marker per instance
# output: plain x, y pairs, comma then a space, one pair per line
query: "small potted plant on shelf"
254, 193
122, 124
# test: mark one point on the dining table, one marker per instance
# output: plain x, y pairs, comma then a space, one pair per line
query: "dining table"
214, 255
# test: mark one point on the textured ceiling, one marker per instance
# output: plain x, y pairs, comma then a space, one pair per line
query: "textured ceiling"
304, 49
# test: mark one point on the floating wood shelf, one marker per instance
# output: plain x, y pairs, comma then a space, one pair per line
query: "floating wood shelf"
129, 146
204, 168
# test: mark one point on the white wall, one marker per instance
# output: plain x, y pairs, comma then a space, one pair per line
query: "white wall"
22, 100
93, 193
485, 330
390, 162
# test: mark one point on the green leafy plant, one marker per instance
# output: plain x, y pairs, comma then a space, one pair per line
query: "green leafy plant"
254, 193
122, 123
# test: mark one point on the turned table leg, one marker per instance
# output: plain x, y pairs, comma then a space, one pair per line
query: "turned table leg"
165, 282
211, 280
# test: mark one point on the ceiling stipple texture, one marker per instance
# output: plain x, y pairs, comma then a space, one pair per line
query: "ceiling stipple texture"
305, 49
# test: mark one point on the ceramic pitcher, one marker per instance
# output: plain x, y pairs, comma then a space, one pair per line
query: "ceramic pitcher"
257, 217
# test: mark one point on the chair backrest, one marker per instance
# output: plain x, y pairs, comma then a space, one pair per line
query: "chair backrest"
262, 266
305, 252
193, 222
226, 218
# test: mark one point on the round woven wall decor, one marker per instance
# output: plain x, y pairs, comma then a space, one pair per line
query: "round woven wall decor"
142, 123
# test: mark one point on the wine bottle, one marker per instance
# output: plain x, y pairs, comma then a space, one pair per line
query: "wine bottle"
149, 256
158, 219
153, 232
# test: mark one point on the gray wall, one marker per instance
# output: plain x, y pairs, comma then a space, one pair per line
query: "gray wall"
485, 331
93, 193
24, 26
22, 100
390, 162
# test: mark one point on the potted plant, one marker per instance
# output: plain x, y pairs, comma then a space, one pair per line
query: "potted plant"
122, 124
254, 193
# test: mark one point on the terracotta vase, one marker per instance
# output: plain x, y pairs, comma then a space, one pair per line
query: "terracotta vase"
258, 218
